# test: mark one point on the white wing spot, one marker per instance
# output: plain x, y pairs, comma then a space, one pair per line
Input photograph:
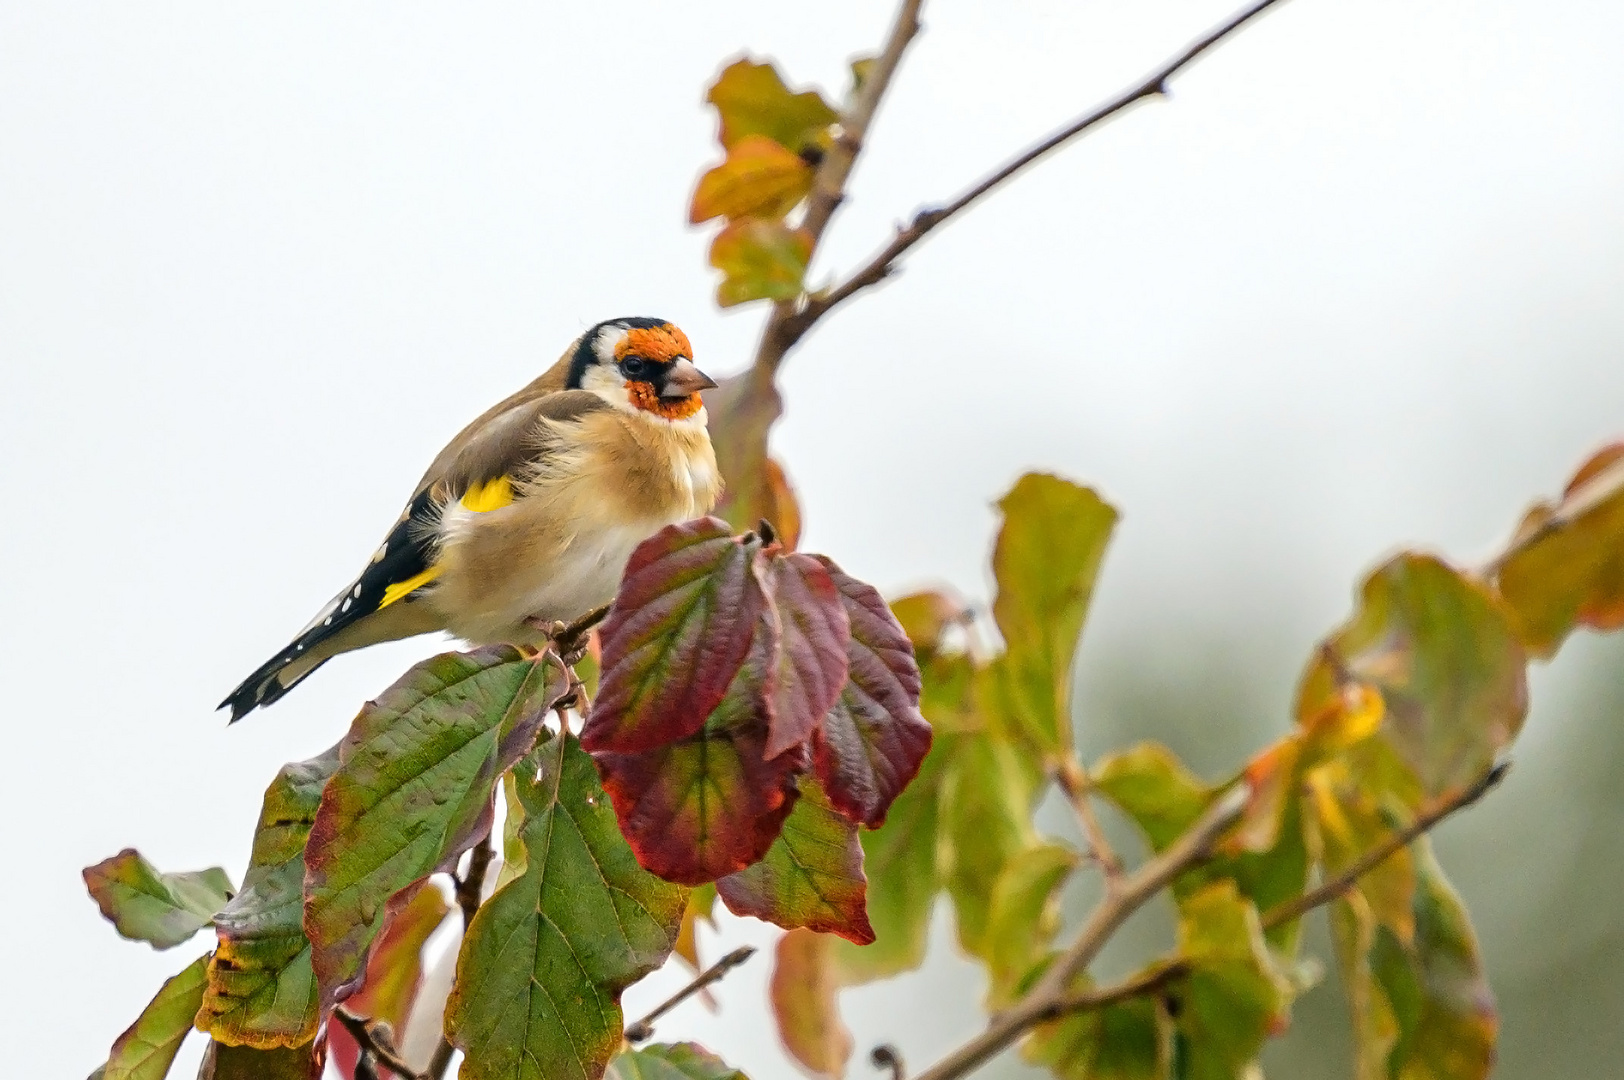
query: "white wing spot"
347, 602
357, 592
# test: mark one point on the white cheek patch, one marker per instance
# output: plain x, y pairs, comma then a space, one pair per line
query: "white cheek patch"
607, 384
609, 339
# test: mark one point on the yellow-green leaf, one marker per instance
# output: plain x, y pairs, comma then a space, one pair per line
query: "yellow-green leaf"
160, 909
1573, 574
1046, 559
760, 260
1130, 1040
751, 99
1149, 784
1233, 997
147, 1048
1024, 917
986, 821
670, 1061
1439, 648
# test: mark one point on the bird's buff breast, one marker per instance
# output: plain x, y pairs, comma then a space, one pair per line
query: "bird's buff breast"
559, 550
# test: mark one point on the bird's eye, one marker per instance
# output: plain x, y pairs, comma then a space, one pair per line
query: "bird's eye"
633, 367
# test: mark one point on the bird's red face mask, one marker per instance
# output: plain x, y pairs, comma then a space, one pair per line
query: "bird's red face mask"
660, 375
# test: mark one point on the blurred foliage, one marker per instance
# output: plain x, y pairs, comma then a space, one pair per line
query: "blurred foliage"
766, 730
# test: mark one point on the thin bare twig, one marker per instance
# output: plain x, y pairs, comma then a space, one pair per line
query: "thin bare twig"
1154, 979
883, 263
644, 1028
829, 184
1337, 886
1111, 912
374, 1037
1074, 782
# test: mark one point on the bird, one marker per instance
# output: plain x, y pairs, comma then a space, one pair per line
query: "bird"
528, 517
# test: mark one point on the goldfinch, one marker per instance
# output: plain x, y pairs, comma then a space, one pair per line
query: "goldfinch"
529, 515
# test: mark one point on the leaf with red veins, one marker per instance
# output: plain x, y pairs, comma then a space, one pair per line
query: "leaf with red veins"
811, 877
681, 627
705, 806
812, 662
872, 741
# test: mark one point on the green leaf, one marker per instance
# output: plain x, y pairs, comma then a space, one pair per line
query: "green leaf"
1126, 1041
147, 1048
1024, 917
1455, 1032
261, 989
670, 1061
1452, 675
873, 739
803, 994
540, 974
1573, 575
224, 1062
413, 791
760, 260
1233, 997
1348, 822
681, 627
759, 178
811, 877
904, 877
1149, 784
1046, 559
751, 99
926, 617
812, 656
986, 821
161, 909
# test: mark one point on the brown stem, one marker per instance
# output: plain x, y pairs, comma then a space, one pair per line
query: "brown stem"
1327, 891
1154, 979
642, 1029
829, 185
883, 263
1074, 782
1051, 999
373, 1037
1110, 913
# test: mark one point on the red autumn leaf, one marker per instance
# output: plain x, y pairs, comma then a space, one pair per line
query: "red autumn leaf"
393, 975
680, 630
815, 634
811, 877
710, 804
872, 741
759, 179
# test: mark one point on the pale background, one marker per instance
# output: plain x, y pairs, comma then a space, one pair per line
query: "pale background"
1356, 286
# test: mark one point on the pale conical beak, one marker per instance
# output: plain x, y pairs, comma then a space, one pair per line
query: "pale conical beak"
684, 379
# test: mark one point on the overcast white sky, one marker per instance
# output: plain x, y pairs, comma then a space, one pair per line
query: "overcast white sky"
1356, 285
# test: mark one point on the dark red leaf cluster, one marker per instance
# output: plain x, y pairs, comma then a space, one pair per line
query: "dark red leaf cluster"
735, 674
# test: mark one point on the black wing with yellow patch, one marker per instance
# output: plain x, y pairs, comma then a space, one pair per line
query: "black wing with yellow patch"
476, 471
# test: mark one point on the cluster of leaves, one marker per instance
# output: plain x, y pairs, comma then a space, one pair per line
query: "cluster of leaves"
756, 707
773, 140
1403, 710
